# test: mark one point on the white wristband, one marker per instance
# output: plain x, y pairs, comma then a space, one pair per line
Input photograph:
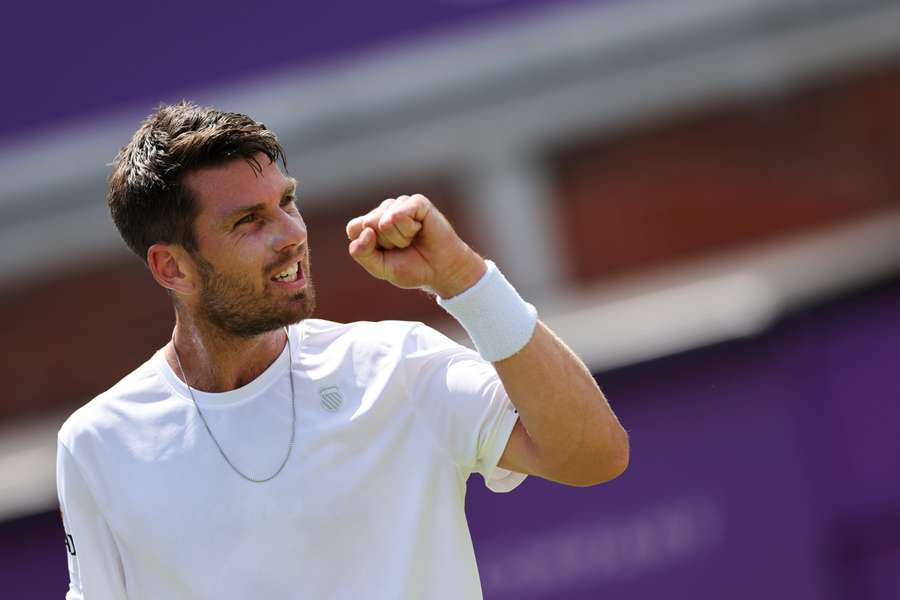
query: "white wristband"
494, 315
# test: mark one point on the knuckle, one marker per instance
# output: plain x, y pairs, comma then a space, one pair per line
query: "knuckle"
385, 223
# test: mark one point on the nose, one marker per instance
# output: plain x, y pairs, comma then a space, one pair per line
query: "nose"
291, 232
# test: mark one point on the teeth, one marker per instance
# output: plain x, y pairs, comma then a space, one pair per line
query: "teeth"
289, 275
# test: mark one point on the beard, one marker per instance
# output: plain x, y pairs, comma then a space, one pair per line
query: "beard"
231, 303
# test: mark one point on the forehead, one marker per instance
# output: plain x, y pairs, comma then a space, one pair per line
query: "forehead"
222, 188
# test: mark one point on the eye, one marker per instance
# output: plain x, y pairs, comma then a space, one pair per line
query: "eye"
245, 219
289, 201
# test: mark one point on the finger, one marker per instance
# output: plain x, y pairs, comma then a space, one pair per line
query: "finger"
384, 242
355, 226
387, 228
363, 245
364, 251
407, 225
393, 221
371, 219
421, 207
406, 215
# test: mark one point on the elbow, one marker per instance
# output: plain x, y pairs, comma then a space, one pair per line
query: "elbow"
606, 464
622, 454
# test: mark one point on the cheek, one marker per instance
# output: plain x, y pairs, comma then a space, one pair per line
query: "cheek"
249, 253
244, 262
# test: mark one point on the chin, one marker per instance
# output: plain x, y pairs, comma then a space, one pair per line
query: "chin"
305, 305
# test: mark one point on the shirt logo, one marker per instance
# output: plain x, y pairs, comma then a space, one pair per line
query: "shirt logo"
331, 398
70, 541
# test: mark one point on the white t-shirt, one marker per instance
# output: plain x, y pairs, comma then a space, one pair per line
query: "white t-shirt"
392, 418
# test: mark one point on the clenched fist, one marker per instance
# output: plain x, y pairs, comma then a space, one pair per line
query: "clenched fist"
408, 242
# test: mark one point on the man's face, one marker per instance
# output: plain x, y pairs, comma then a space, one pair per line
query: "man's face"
249, 232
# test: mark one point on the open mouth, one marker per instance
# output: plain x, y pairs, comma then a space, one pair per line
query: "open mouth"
290, 274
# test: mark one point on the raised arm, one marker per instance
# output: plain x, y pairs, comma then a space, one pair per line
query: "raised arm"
567, 431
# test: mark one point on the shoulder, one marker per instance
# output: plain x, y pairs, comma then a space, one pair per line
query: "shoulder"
321, 328
319, 334
109, 411
369, 345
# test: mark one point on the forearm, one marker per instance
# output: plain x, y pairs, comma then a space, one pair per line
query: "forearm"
573, 435
569, 433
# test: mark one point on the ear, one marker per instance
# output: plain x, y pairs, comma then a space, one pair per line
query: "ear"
170, 267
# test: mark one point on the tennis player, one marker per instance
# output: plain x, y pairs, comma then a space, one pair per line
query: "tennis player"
266, 454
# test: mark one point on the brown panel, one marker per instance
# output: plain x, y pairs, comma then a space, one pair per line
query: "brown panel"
722, 180
70, 338
665, 194
344, 291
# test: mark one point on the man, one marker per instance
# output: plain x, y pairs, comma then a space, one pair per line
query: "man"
265, 454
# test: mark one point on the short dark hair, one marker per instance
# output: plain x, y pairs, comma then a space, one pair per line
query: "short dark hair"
148, 200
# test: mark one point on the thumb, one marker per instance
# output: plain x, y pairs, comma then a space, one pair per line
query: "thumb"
365, 251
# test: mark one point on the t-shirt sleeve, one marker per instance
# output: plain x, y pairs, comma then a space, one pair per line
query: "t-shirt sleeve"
95, 569
462, 400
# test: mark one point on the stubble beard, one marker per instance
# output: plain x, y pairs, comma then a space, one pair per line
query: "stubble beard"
232, 305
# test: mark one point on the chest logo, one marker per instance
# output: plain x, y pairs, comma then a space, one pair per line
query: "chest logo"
331, 398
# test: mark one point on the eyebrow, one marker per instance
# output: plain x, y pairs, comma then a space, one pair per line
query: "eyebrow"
289, 190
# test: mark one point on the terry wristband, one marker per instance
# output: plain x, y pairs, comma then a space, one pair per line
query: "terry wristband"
494, 315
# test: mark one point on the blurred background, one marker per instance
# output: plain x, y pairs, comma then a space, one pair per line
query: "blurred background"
702, 197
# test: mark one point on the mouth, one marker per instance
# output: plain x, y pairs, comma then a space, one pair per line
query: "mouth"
291, 276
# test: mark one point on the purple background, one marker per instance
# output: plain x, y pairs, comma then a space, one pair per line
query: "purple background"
78, 60
764, 468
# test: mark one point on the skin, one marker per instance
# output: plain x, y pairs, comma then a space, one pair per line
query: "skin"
229, 312
566, 431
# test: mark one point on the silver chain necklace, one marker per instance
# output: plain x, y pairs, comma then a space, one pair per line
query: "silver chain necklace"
216, 442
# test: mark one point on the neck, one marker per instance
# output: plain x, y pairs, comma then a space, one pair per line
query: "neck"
216, 361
